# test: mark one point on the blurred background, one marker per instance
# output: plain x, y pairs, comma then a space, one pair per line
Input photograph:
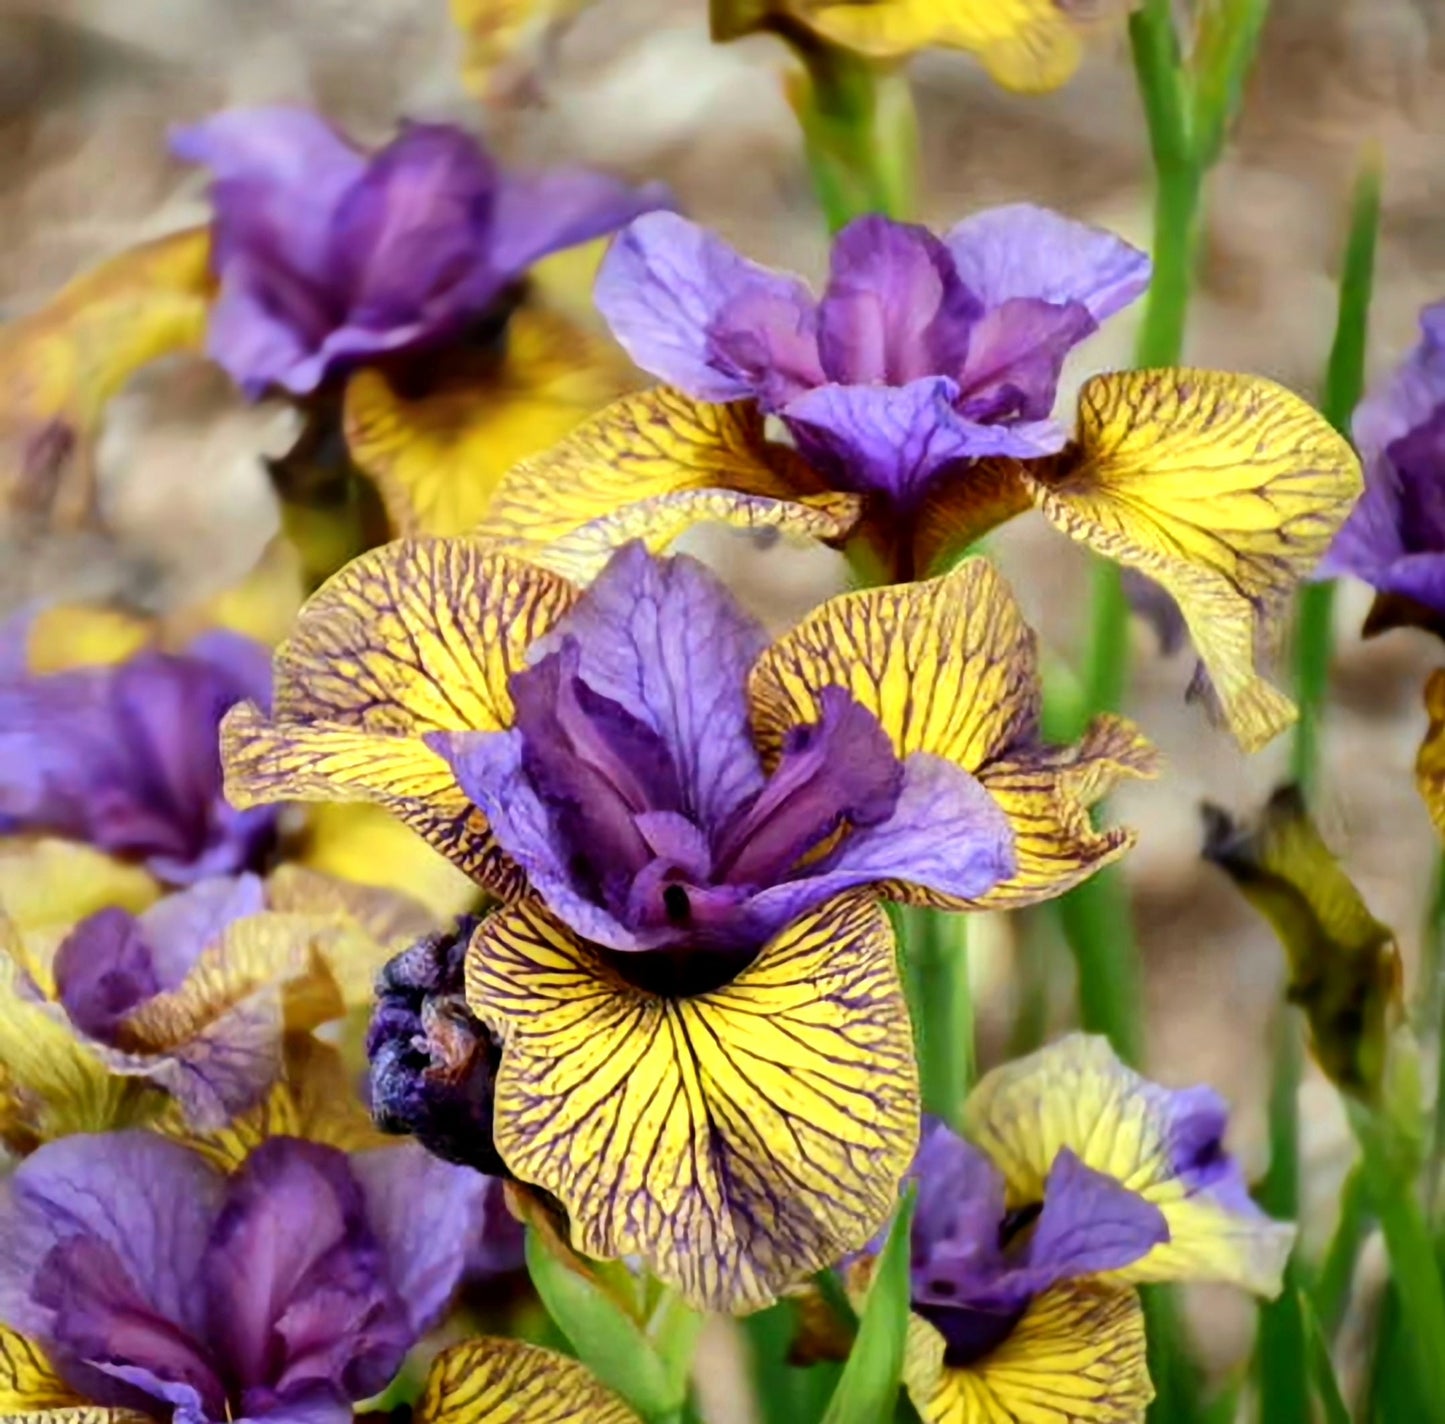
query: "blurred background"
88, 89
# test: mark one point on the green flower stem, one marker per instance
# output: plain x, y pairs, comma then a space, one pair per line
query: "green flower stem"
940, 997
1336, 1274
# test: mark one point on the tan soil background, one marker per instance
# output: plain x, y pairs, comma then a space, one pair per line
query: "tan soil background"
88, 88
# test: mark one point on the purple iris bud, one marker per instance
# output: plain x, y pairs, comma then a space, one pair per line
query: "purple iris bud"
632, 794
977, 1266
433, 1063
329, 257
293, 1287
921, 355
127, 758
1394, 539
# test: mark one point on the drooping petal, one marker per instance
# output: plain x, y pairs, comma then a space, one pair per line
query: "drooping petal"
1076, 1357
665, 284
439, 457
895, 440
1165, 1146
414, 637
61, 365
736, 1140
507, 1381
30, 1386
1030, 46
645, 448
537, 214
1023, 251
1223, 489
948, 667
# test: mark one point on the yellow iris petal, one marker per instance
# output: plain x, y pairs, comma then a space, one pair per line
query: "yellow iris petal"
1430, 761
1076, 1357
962, 507
57, 883
60, 366
417, 636
1026, 45
512, 1382
1076, 1094
737, 1140
641, 449
76, 635
315, 1099
1225, 490
31, 1386
437, 458
948, 667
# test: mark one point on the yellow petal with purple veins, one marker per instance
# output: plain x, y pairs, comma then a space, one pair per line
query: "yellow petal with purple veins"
1223, 489
1076, 1357
737, 1140
60, 366
640, 450
1030, 46
438, 457
1430, 761
417, 636
1165, 1145
583, 553
30, 1386
948, 666
511, 1382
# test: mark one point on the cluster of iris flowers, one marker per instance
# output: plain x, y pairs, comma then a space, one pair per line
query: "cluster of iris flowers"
601, 877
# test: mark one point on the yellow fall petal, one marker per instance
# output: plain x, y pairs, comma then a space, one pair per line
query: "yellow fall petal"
948, 666
60, 366
1030, 46
495, 1381
438, 458
737, 1140
1430, 761
417, 636
962, 507
50, 883
75, 635
642, 448
1223, 489
31, 1388
1076, 1094
1076, 1357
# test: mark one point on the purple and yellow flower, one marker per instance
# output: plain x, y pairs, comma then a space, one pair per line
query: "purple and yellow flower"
1394, 539
1079, 1179
141, 1281
192, 1000
705, 1054
921, 384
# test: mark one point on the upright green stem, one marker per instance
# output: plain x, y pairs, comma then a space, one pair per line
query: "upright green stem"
940, 996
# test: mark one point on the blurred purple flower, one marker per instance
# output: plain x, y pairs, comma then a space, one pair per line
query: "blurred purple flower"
329, 257
1394, 540
921, 354
285, 1292
126, 757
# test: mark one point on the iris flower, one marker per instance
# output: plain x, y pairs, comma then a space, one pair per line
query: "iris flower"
704, 1049
1080, 1179
190, 999
920, 385
142, 1281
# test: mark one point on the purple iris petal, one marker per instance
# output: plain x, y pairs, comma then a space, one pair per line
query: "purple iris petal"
103, 970
328, 258
1013, 363
127, 758
179, 928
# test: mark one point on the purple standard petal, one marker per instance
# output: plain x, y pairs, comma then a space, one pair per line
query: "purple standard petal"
894, 310
1014, 359
540, 213
690, 310
147, 1201
104, 969
179, 928
426, 1215
894, 440
1024, 251
1409, 396
295, 1280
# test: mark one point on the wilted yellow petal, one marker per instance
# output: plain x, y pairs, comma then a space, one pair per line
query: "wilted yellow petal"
438, 457
1223, 489
1027, 45
60, 366
1076, 1357
737, 1140
48, 883
646, 446
1430, 762
511, 1382
1076, 1095
417, 636
948, 666
1344, 965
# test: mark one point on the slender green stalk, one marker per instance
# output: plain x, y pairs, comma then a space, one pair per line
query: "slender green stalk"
1096, 922
1337, 1271
940, 996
